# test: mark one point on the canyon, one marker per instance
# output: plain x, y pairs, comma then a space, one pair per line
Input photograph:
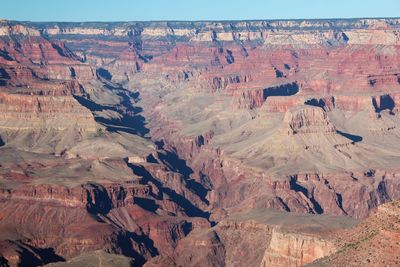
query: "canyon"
210, 143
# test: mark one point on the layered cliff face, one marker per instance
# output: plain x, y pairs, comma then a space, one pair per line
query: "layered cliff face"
295, 250
180, 140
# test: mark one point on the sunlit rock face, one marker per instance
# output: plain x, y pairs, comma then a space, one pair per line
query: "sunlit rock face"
240, 143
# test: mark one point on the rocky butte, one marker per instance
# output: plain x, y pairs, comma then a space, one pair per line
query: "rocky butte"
237, 143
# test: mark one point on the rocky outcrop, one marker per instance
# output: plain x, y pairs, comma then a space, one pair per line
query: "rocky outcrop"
370, 243
308, 120
288, 249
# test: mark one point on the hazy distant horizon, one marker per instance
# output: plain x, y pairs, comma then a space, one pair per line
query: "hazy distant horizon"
194, 21
205, 10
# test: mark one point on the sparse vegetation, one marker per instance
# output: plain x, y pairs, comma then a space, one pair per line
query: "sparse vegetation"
100, 132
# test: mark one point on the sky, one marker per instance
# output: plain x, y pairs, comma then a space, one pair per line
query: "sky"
145, 10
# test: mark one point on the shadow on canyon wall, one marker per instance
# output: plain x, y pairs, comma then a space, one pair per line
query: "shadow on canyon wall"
130, 122
188, 207
281, 90
352, 137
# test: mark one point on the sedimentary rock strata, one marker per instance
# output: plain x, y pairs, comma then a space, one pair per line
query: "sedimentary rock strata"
242, 143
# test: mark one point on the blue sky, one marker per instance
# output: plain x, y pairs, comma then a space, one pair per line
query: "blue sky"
139, 10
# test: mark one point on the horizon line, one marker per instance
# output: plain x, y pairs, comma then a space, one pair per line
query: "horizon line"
205, 20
